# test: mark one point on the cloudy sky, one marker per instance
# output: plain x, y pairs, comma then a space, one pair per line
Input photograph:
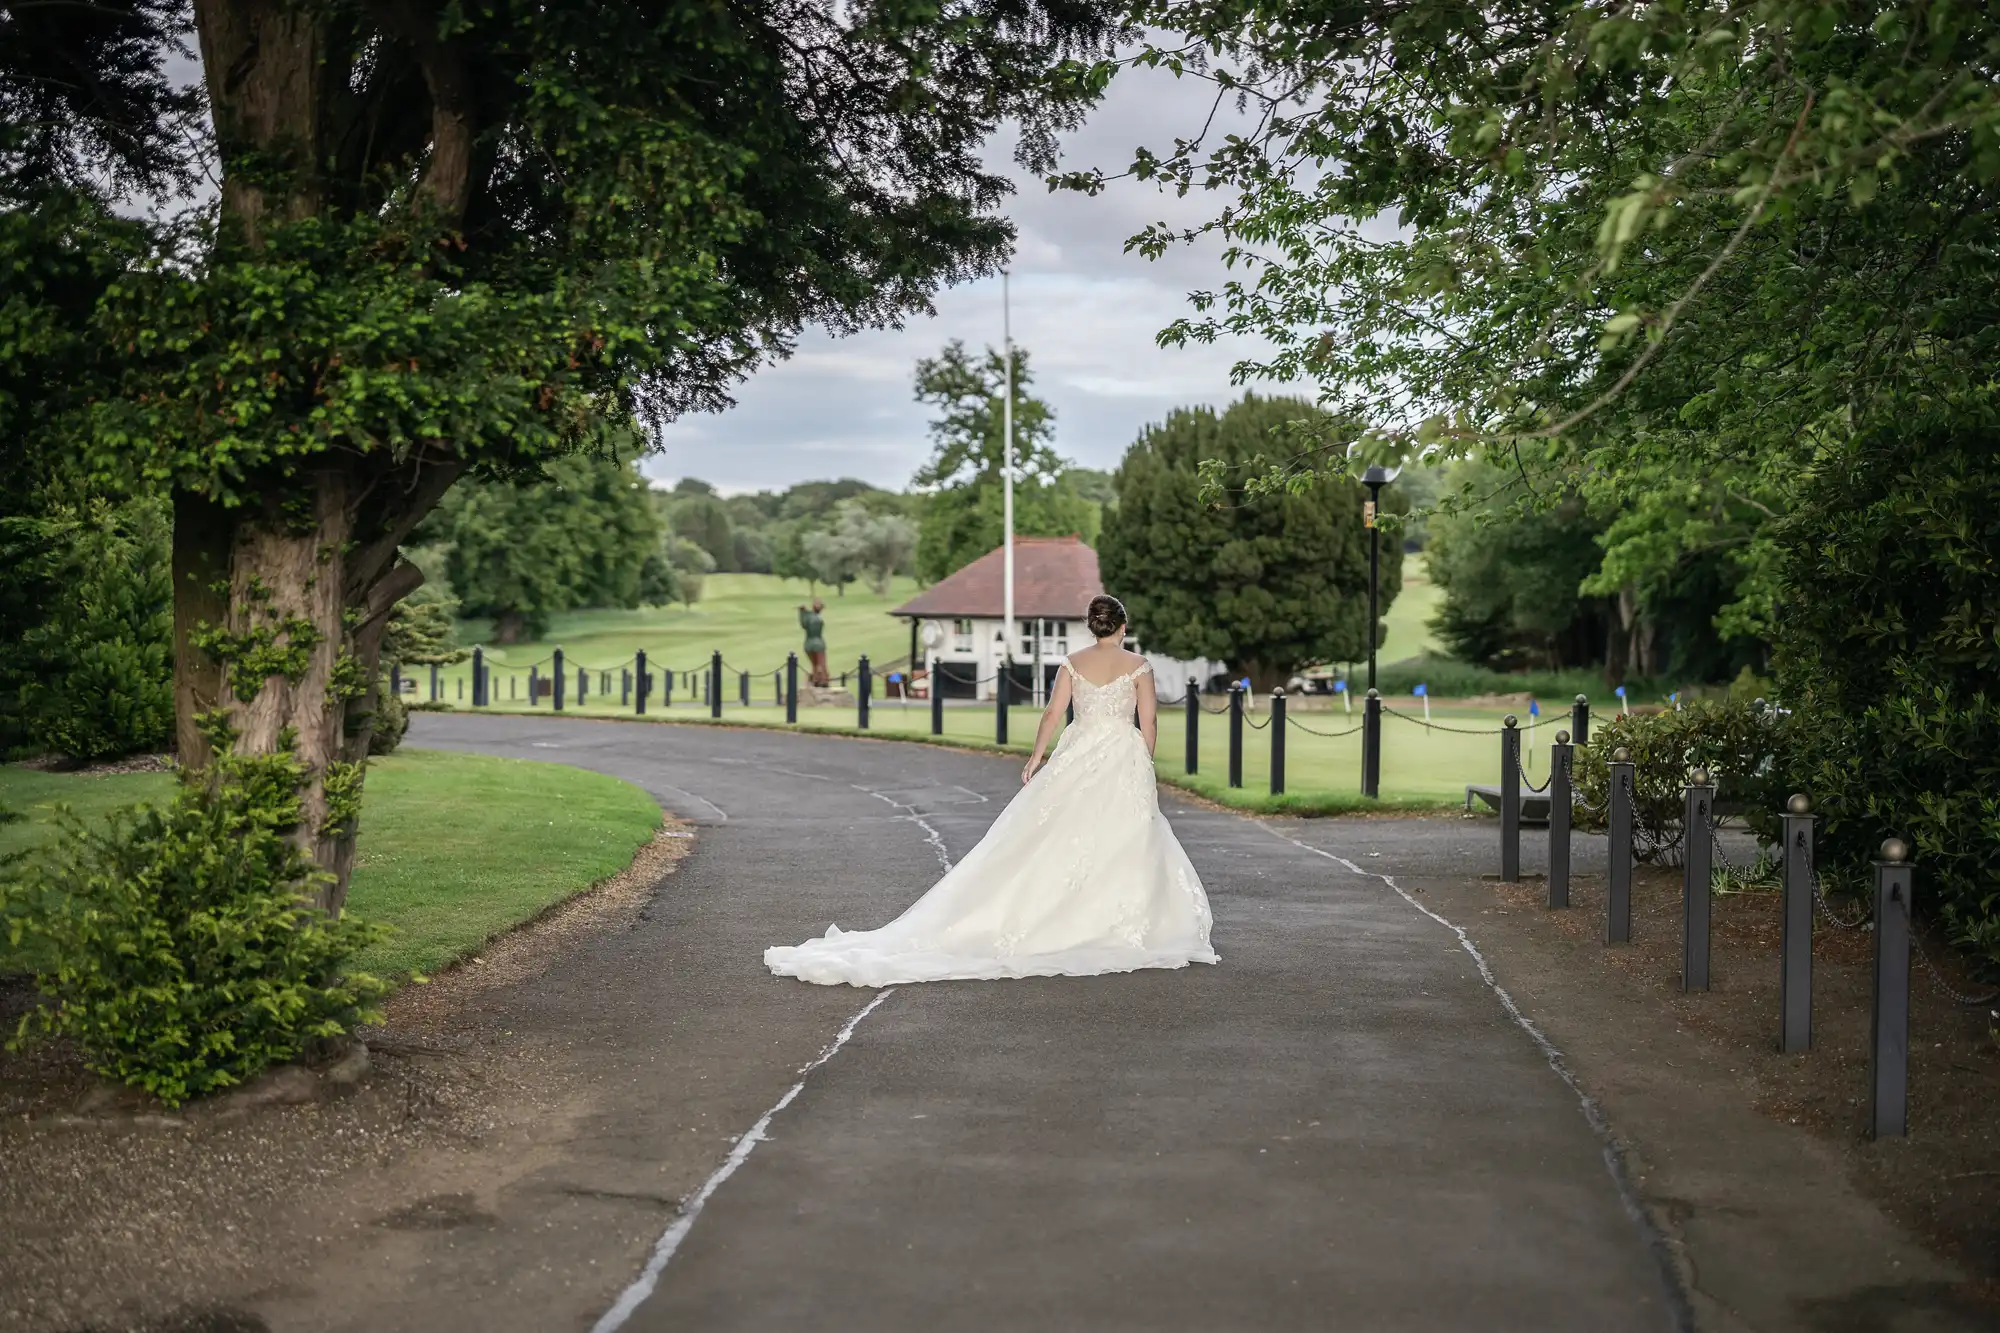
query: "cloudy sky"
1086, 312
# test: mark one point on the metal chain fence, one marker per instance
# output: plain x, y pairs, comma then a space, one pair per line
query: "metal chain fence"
1439, 726
1945, 988
1293, 720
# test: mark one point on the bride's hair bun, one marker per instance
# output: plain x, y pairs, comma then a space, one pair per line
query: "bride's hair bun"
1105, 617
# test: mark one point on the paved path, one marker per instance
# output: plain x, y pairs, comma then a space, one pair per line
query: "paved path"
1341, 1126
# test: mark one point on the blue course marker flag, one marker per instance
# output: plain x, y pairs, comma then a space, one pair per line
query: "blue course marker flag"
1620, 692
1534, 708
1424, 692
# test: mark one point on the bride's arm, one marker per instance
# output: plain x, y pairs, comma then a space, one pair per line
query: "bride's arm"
1149, 710
1058, 701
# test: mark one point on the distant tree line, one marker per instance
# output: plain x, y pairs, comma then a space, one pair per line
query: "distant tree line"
593, 532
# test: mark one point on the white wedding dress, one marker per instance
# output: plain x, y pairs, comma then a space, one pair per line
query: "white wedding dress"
1080, 875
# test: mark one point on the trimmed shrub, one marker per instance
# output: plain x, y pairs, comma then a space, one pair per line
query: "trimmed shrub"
174, 945
422, 632
392, 719
1734, 739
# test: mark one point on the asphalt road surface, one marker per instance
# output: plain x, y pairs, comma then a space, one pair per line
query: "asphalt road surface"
1342, 1126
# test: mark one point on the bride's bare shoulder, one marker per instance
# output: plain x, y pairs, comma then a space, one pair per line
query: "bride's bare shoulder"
1130, 660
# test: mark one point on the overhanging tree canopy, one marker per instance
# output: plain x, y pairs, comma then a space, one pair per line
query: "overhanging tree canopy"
471, 237
1661, 251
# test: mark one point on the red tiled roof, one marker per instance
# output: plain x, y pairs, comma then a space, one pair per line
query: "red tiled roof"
1054, 578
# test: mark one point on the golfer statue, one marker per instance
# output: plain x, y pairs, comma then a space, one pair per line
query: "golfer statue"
814, 624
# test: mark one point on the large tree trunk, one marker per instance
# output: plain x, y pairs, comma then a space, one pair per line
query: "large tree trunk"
1264, 678
281, 603
1642, 636
267, 73
279, 616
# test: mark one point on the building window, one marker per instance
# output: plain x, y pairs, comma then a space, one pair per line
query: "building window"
961, 636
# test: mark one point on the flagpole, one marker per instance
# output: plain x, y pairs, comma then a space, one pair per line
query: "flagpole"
1007, 477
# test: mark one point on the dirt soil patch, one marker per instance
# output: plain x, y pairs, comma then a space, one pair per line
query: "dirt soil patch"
138, 763
109, 1222
1942, 1182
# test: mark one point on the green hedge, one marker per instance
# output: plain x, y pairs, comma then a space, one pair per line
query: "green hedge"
1888, 654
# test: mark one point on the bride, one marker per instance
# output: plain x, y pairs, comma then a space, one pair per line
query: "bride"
1079, 875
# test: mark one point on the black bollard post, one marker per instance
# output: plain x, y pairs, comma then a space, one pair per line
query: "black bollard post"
743, 687
1277, 742
1697, 857
582, 686
459, 688
1560, 809
1579, 719
791, 687
479, 678
1795, 954
1618, 898
534, 688
937, 697
1000, 701
434, 682
1889, 1027
667, 688
715, 685
558, 680
1192, 702
1510, 800
642, 679
778, 688
1371, 746
1235, 735
864, 679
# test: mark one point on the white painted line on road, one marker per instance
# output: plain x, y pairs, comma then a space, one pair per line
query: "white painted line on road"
663, 1251
931, 835
1682, 1308
721, 815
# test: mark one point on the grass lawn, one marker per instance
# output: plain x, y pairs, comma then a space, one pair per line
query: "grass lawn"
455, 849
458, 848
34, 796
752, 619
1406, 630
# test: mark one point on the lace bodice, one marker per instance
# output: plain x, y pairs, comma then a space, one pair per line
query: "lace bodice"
1112, 701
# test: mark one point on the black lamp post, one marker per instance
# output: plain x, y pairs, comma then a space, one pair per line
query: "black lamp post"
1375, 478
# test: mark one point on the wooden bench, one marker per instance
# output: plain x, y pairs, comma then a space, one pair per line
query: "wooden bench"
1534, 805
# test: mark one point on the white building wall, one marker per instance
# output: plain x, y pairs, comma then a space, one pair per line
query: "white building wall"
981, 650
